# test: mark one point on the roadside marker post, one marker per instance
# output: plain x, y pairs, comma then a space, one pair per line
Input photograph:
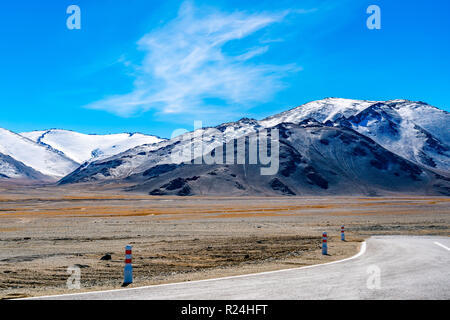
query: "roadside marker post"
128, 270
324, 244
342, 233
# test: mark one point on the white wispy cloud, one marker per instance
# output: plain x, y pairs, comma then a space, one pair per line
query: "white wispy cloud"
186, 67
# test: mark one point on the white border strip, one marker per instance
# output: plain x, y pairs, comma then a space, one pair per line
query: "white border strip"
360, 253
441, 245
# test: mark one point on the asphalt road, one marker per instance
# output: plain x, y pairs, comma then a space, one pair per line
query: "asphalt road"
388, 267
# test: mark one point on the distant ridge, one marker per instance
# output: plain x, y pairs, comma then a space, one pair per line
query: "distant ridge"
400, 146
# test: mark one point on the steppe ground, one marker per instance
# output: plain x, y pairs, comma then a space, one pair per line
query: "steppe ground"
45, 230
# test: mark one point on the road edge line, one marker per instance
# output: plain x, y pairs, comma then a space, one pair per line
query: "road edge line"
362, 250
441, 245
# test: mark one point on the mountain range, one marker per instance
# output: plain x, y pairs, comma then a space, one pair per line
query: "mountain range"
327, 147
52, 154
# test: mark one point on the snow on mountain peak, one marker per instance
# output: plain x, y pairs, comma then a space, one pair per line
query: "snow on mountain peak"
414, 130
84, 147
320, 110
41, 158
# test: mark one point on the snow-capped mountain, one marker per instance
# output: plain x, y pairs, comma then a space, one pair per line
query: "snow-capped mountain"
400, 126
43, 155
314, 159
414, 130
324, 110
84, 147
13, 169
41, 158
378, 146
384, 124
142, 158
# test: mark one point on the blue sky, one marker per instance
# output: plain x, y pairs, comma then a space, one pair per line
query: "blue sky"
155, 66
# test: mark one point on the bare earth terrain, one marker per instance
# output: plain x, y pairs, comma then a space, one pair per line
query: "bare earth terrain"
45, 230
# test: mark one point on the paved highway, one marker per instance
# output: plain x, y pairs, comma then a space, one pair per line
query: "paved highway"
388, 267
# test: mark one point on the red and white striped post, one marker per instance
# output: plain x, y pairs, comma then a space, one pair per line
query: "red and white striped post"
324, 244
342, 233
128, 270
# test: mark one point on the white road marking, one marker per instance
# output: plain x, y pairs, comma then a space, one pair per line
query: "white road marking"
441, 245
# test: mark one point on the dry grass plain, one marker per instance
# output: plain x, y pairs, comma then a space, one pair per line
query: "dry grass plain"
44, 230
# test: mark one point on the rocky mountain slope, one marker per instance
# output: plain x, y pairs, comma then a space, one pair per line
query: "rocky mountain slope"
314, 159
414, 130
330, 146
